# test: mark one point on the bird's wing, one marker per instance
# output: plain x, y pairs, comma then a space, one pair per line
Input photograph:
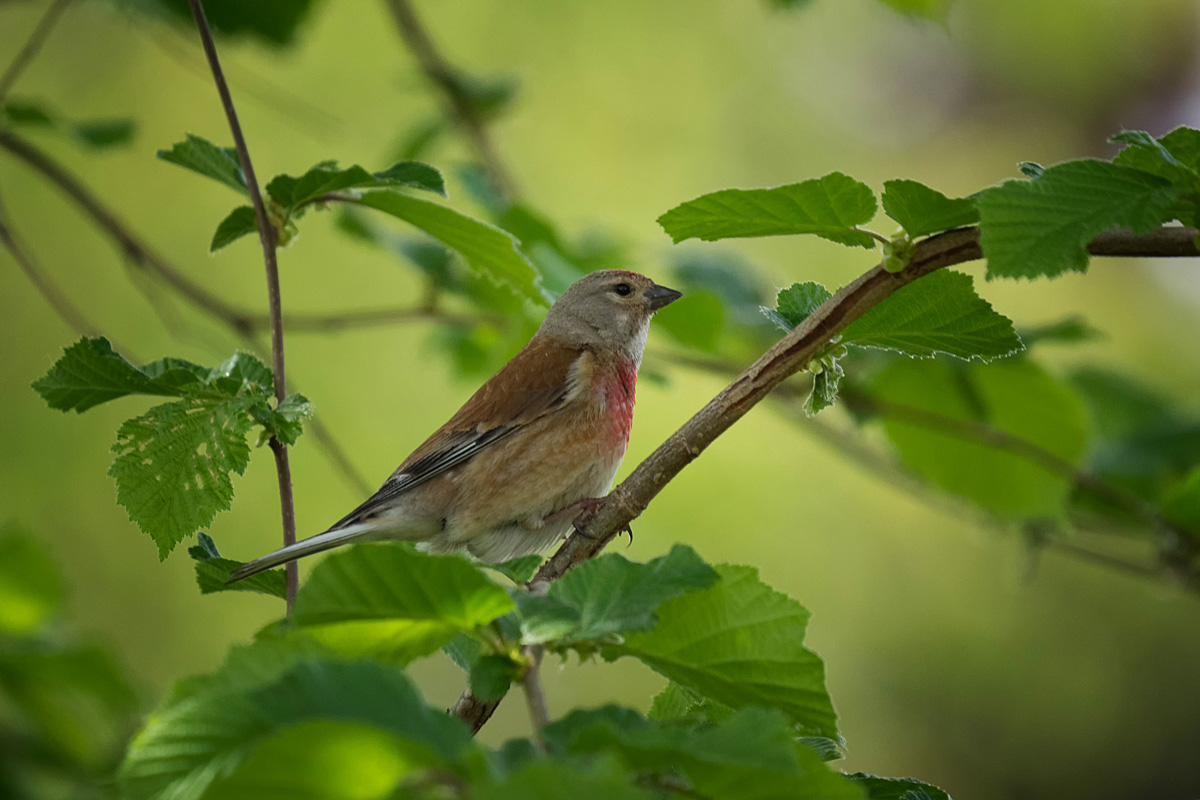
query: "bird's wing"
541, 379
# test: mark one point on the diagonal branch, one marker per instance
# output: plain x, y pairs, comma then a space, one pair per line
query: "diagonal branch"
456, 101
32, 45
266, 235
788, 356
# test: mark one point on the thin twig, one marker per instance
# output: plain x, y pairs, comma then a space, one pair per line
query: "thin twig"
791, 354
456, 101
32, 45
266, 235
535, 698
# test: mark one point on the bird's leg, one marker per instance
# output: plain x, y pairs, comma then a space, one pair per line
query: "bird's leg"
587, 507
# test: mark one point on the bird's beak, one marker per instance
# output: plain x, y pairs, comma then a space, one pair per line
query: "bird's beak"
660, 296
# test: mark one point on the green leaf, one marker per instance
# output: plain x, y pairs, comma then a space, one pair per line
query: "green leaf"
90, 372
519, 570
285, 421
1182, 504
388, 600
463, 651
212, 572
31, 590
939, 313
695, 320
488, 250
292, 193
24, 112
963, 428
542, 779
896, 788
829, 207
274, 22
200, 155
1043, 226
206, 735
739, 643
936, 10
824, 389
1070, 330
173, 466
491, 675
796, 303
750, 755
921, 210
240, 222
611, 594
103, 133
1175, 156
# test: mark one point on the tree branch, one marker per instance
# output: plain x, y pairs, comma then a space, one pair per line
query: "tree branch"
32, 45
785, 358
266, 235
456, 102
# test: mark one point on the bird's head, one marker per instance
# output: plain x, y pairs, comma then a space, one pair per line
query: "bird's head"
610, 309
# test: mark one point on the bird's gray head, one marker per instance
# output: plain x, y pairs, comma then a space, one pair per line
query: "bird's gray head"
610, 309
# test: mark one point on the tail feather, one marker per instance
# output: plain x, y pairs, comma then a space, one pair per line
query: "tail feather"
305, 547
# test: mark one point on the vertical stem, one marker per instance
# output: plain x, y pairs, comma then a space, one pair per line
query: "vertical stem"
266, 235
535, 698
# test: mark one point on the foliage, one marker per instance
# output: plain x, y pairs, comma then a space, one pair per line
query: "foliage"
320, 705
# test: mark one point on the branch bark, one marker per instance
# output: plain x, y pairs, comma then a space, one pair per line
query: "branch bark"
266, 236
788, 356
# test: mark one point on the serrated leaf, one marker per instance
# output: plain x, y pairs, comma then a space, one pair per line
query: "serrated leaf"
921, 210
740, 643
90, 372
940, 313
1175, 156
824, 389
387, 600
830, 207
31, 590
519, 570
1042, 227
490, 251
286, 421
544, 779
796, 303
292, 193
896, 788
750, 755
213, 571
202, 156
204, 737
173, 466
945, 438
240, 222
463, 650
611, 594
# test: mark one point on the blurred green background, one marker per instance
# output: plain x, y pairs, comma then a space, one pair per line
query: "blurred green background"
946, 660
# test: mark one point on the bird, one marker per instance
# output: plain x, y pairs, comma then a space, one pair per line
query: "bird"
536, 446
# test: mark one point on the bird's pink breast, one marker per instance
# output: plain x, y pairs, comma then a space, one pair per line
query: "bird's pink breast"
619, 388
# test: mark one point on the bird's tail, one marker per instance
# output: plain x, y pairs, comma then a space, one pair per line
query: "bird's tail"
305, 547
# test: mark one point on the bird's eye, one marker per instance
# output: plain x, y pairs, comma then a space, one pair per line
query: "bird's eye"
622, 289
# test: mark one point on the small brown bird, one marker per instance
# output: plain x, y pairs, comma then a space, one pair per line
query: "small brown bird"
509, 473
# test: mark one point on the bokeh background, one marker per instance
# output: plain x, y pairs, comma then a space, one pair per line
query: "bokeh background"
947, 658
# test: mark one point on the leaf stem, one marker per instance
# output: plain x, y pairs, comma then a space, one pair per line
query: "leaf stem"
266, 235
32, 45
